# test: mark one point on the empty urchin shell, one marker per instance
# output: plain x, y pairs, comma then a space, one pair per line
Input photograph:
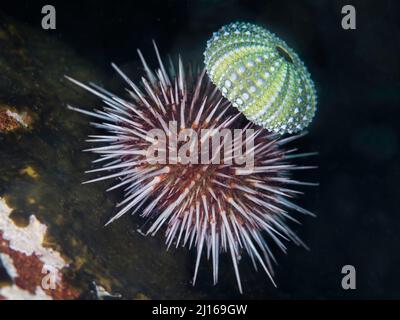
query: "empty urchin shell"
262, 77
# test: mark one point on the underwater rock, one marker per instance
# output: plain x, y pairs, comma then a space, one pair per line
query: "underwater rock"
103, 294
12, 120
35, 270
41, 170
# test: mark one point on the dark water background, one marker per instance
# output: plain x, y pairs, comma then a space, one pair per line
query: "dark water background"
356, 131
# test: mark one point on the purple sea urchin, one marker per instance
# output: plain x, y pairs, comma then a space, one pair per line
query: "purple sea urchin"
217, 206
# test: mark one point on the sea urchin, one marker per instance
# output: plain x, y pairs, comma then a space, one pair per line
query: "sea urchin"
217, 206
262, 77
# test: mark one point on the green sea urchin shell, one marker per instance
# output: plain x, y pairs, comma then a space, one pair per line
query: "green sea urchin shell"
262, 77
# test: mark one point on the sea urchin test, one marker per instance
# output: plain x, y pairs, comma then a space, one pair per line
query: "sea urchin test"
215, 207
262, 77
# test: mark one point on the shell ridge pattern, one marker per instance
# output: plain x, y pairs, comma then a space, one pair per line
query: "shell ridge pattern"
262, 77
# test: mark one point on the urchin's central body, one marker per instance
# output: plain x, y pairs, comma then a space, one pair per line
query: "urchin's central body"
217, 206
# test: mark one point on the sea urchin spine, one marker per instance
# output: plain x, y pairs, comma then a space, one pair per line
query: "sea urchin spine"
215, 207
